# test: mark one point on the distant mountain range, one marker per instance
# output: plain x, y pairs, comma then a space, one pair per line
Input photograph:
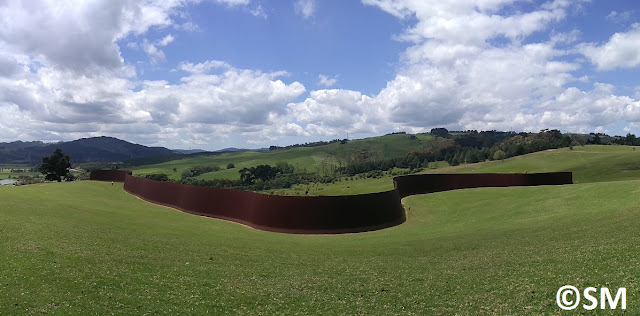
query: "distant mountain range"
93, 149
81, 150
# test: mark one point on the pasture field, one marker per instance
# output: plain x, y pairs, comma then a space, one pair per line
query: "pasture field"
341, 187
90, 248
591, 163
302, 158
9, 171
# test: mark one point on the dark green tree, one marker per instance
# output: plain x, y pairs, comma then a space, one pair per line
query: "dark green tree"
499, 155
56, 166
264, 172
440, 131
284, 167
246, 176
630, 139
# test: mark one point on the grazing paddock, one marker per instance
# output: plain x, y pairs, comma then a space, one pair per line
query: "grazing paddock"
90, 248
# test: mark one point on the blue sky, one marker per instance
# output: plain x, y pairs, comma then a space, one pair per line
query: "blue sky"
247, 73
341, 38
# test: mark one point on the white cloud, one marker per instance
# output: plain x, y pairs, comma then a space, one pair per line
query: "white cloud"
85, 33
326, 81
454, 77
234, 2
166, 40
155, 55
453, 74
621, 51
258, 11
620, 17
469, 22
203, 67
305, 8
59, 104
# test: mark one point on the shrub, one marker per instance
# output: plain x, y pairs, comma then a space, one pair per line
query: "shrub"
198, 170
157, 177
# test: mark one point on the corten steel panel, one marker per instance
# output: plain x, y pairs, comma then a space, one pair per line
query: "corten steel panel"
109, 175
319, 214
291, 214
429, 183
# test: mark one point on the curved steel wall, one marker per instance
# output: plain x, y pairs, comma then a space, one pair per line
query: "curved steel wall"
109, 175
429, 183
315, 214
290, 214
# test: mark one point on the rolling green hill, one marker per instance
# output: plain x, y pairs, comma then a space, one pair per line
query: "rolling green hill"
303, 158
90, 248
591, 163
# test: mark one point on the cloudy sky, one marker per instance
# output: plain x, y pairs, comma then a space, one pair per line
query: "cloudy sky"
252, 73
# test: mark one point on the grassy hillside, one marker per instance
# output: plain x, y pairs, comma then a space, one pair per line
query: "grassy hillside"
308, 158
591, 163
90, 248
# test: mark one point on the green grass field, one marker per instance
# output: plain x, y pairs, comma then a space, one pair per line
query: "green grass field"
9, 171
90, 248
591, 163
303, 158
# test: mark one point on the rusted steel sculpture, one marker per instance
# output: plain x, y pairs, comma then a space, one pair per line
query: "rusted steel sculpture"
315, 214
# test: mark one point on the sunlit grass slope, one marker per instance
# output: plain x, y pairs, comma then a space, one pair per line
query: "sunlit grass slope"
591, 163
89, 248
302, 158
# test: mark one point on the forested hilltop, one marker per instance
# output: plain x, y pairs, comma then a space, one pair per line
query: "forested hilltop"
81, 151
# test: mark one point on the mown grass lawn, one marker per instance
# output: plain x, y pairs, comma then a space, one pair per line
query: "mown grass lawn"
90, 248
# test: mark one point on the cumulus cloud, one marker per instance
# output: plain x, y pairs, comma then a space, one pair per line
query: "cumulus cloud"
333, 109
469, 21
621, 51
454, 76
85, 33
468, 65
55, 100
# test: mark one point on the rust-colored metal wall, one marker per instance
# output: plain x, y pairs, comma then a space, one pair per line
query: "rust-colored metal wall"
429, 183
315, 214
109, 175
290, 214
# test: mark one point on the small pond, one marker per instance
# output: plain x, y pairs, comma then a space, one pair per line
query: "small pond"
7, 181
